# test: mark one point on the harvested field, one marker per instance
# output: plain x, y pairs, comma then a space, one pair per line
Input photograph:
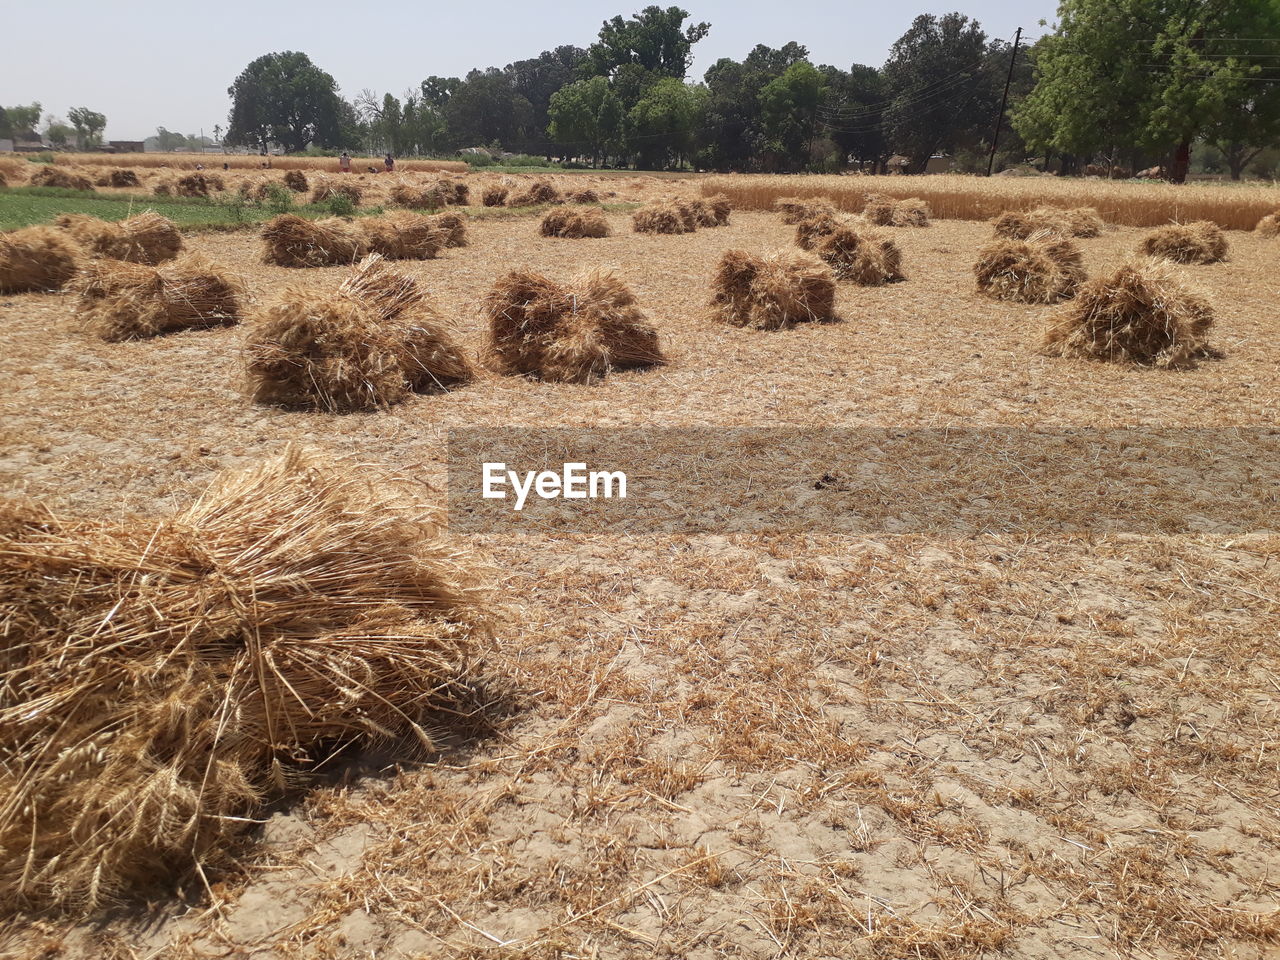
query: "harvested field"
900, 743
187, 161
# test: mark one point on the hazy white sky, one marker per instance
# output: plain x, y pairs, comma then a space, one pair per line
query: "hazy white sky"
146, 64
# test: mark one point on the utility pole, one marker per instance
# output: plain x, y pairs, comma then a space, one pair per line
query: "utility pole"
991, 160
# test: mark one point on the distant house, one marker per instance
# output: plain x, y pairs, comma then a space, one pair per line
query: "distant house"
125, 146
28, 141
938, 163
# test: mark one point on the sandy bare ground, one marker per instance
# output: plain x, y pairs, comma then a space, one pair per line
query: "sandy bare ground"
778, 745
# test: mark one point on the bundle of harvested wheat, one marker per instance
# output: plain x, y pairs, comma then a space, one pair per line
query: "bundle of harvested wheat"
583, 195
887, 212
538, 192
1199, 242
720, 209
35, 258
328, 187
772, 293
662, 216
165, 680
574, 224
146, 238
52, 175
418, 196
372, 343
1142, 314
455, 192
702, 213
1269, 226
455, 227
573, 333
811, 230
795, 209
1073, 222
126, 301
214, 182
291, 241
192, 185
494, 195
296, 181
863, 258
118, 178
1044, 268
402, 235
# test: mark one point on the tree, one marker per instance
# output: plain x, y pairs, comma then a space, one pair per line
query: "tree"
586, 117
1156, 74
851, 112
789, 115
654, 39
663, 125
1248, 126
486, 108
89, 125
536, 80
942, 90
168, 141
19, 120
286, 99
733, 127
58, 133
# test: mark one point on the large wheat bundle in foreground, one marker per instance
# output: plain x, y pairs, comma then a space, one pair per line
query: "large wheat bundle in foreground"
576, 332
146, 238
574, 224
163, 681
125, 301
1199, 242
454, 225
774, 292
1065, 222
35, 258
1044, 268
866, 259
293, 241
1140, 314
371, 343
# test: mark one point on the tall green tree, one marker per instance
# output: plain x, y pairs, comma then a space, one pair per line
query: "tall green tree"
286, 99
89, 125
654, 39
663, 126
586, 118
1159, 74
789, 115
486, 108
733, 128
536, 80
58, 133
17, 120
851, 112
943, 84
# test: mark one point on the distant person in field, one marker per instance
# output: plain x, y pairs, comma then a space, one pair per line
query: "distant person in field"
226, 166
344, 162
390, 163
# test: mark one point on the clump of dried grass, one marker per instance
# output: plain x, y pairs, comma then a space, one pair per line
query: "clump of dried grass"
35, 258
1044, 268
812, 230
1269, 226
1199, 242
118, 178
371, 343
574, 333
126, 301
584, 195
402, 235
292, 241
454, 224
574, 224
795, 209
703, 213
720, 209
1140, 314
1066, 222
862, 258
418, 196
887, 212
193, 185
165, 680
774, 292
494, 195
536, 193
327, 187
52, 175
146, 238
663, 216
455, 192
296, 181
